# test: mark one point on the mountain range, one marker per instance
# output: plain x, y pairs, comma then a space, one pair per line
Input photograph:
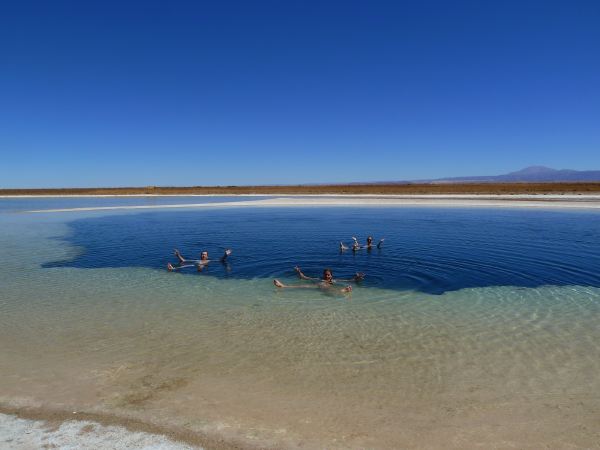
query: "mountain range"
533, 174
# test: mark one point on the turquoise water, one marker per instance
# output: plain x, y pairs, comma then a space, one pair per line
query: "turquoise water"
473, 326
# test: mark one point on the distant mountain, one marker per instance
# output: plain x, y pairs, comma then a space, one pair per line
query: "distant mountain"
533, 174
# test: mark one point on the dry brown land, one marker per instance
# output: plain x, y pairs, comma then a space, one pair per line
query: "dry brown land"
350, 189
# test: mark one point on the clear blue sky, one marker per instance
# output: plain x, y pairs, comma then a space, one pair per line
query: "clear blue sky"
252, 92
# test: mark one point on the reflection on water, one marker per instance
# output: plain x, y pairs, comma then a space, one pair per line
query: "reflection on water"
485, 362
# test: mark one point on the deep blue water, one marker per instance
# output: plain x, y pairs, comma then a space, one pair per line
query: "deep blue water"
428, 249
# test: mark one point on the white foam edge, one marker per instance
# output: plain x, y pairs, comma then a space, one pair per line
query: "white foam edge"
25, 434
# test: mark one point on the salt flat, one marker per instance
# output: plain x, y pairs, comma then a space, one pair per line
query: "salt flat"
448, 200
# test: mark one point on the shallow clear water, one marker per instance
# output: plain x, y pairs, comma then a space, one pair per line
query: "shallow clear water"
22, 204
473, 326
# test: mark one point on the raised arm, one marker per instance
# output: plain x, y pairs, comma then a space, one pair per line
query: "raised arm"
302, 276
179, 257
225, 255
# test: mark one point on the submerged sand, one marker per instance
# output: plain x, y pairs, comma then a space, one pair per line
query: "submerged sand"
459, 371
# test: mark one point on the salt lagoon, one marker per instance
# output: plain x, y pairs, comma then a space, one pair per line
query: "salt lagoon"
474, 327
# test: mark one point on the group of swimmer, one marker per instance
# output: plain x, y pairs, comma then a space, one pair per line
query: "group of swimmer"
326, 282
357, 246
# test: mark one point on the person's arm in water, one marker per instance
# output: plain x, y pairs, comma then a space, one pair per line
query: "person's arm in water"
280, 285
172, 268
304, 277
356, 246
358, 276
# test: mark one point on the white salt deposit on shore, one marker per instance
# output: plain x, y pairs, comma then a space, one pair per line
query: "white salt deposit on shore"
516, 201
23, 434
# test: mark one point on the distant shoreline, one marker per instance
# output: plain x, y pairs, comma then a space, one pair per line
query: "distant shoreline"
567, 201
339, 189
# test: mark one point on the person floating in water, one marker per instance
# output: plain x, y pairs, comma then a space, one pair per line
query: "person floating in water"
356, 245
327, 282
198, 263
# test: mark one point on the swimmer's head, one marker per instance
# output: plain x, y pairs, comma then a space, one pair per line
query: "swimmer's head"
328, 275
204, 255
369, 239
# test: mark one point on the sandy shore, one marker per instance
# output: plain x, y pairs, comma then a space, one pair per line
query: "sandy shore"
369, 200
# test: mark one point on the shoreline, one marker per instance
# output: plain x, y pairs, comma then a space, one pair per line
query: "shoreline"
540, 196
367, 200
386, 188
50, 420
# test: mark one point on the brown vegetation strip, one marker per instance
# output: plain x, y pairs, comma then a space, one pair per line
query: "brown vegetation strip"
351, 189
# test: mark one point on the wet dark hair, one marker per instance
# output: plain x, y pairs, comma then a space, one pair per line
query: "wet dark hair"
370, 238
327, 270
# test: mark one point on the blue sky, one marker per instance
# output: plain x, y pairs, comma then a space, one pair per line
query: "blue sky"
198, 93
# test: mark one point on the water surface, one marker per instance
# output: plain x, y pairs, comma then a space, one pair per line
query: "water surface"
22, 204
430, 250
473, 328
